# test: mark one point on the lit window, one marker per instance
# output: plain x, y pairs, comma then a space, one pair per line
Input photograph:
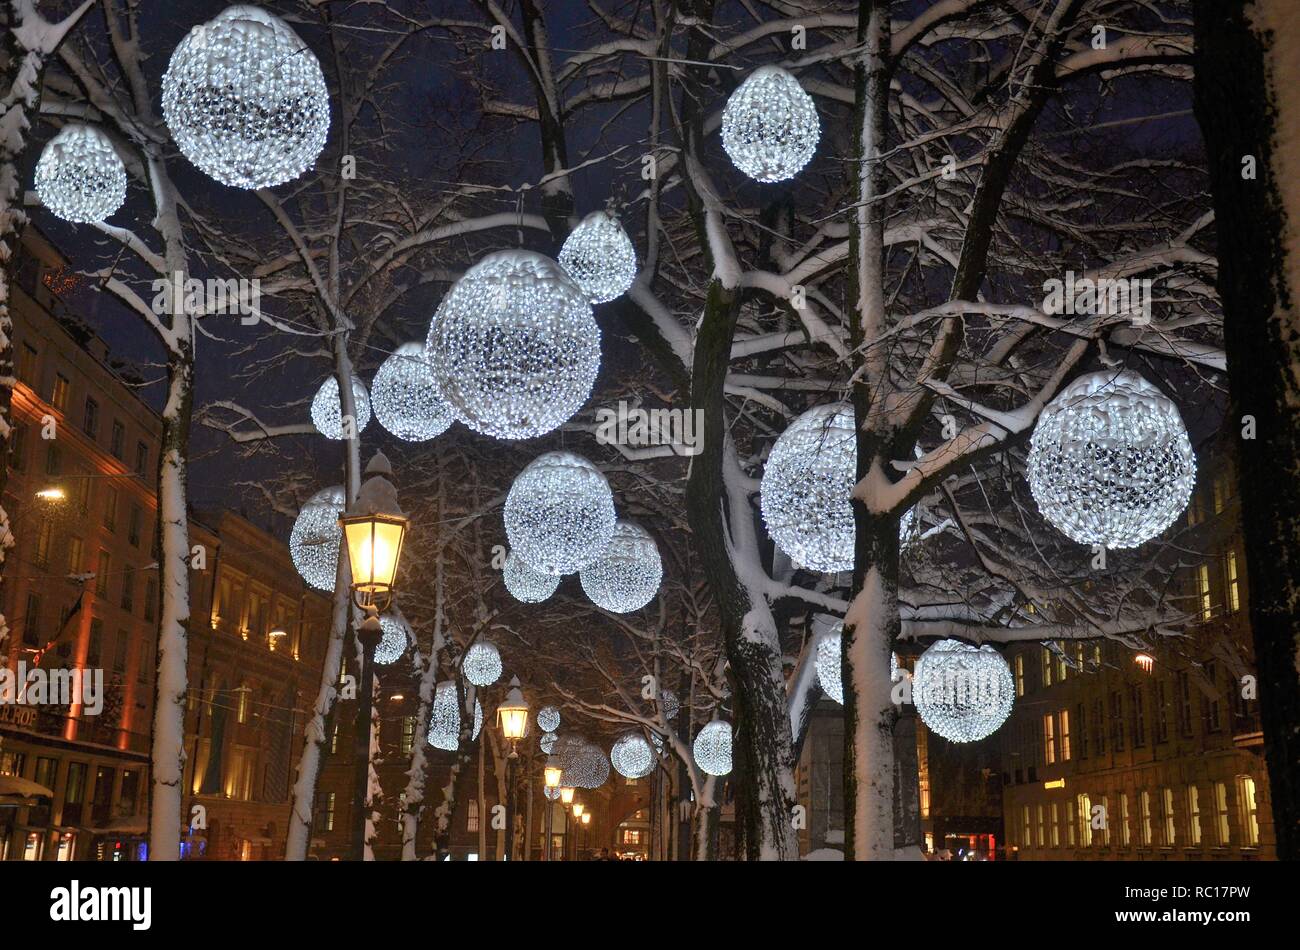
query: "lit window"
1105, 822
1020, 674
102, 570
1168, 816
1085, 821
1144, 816
1047, 667
1056, 826
1220, 493
1221, 814
1203, 590
1123, 819
1049, 739
1194, 813
471, 822
408, 735
1065, 735
1042, 828
1234, 583
241, 714
59, 393
329, 811
1026, 837
1249, 811
44, 540
1059, 656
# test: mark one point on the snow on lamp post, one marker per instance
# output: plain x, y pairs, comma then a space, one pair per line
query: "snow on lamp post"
770, 127
79, 176
374, 528
512, 717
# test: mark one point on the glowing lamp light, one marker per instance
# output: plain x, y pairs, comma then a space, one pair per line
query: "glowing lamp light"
578, 809
51, 494
566, 795
374, 547
586, 817
552, 773
1145, 662
512, 715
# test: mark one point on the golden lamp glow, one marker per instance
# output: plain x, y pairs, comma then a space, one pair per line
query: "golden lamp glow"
586, 817
578, 809
1055, 783
552, 773
374, 547
51, 494
1145, 661
512, 715
566, 796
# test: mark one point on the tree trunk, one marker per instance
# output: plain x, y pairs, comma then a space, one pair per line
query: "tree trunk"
1246, 80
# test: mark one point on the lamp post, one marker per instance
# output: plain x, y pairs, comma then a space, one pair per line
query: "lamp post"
512, 716
578, 809
551, 775
373, 528
586, 820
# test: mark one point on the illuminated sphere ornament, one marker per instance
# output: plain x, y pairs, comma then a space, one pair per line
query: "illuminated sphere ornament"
525, 584
963, 693
245, 99
632, 756
769, 126
405, 399
599, 256
584, 763
627, 573
478, 719
830, 655
396, 638
669, 704
316, 537
444, 720
514, 346
79, 176
327, 412
548, 719
482, 663
547, 742
712, 748
1110, 462
559, 513
552, 794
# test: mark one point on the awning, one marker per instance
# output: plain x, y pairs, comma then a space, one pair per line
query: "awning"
19, 791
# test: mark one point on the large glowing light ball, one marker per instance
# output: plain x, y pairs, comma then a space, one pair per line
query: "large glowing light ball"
245, 99
316, 537
482, 663
394, 641
548, 719
632, 756
806, 487
584, 763
830, 664
514, 346
1110, 462
79, 176
444, 719
559, 513
712, 749
327, 412
600, 258
961, 692
525, 584
627, 573
770, 127
406, 400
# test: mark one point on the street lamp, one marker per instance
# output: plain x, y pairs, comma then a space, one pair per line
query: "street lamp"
512, 717
374, 528
566, 796
552, 774
578, 809
586, 820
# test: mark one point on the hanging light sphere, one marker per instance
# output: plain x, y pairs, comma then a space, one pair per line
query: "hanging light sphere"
525, 584
405, 398
316, 537
669, 704
963, 693
830, 664
514, 346
770, 127
548, 719
79, 176
478, 719
396, 638
584, 763
1110, 462
600, 258
327, 413
632, 756
627, 573
552, 794
444, 720
712, 748
559, 513
482, 663
245, 99
547, 742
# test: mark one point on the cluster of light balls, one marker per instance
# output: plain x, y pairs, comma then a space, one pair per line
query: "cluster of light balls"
525, 584
1110, 462
327, 408
963, 693
627, 573
600, 258
79, 176
444, 717
395, 639
584, 763
316, 537
245, 99
770, 127
405, 400
548, 719
482, 663
830, 664
632, 756
514, 346
712, 748
559, 513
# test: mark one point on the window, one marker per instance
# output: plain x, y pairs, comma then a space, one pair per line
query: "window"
1194, 814
1184, 686
1117, 721
1161, 701
471, 821
44, 540
75, 791
1065, 735
1026, 835
150, 598
1167, 814
25, 360
1194, 516
1047, 667
1059, 658
1220, 489
142, 670
1056, 826
1210, 713
334, 738
241, 708
408, 735
45, 771
1203, 591
1085, 821
1042, 828
53, 459
1123, 820
133, 525
1138, 718
1020, 674
59, 392
1144, 816
1099, 725
90, 420
1221, 814
141, 458
329, 810
81, 489
110, 508
1049, 739
75, 552
128, 588
1233, 577
119, 657
1081, 718
1105, 822
1249, 811
18, 448
32, 621
95, 651
101, 573
116, 439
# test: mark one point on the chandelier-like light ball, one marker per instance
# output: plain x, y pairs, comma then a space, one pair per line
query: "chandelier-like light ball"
406, 399
583, 762
632, 756
327, 413
79, 176
712, 748
961, 692
548, 719
525, 584
559, 513
1110, 462
444, 719
669, 704
245, 99
482, 663
514, 346
627, 573
547, 742
830, 664
316, 536
600, 258
396, 638
770, 126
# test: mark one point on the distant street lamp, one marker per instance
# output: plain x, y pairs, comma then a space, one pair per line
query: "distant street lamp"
586, 820
566, 796
512, 717
552, 774
374, 528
